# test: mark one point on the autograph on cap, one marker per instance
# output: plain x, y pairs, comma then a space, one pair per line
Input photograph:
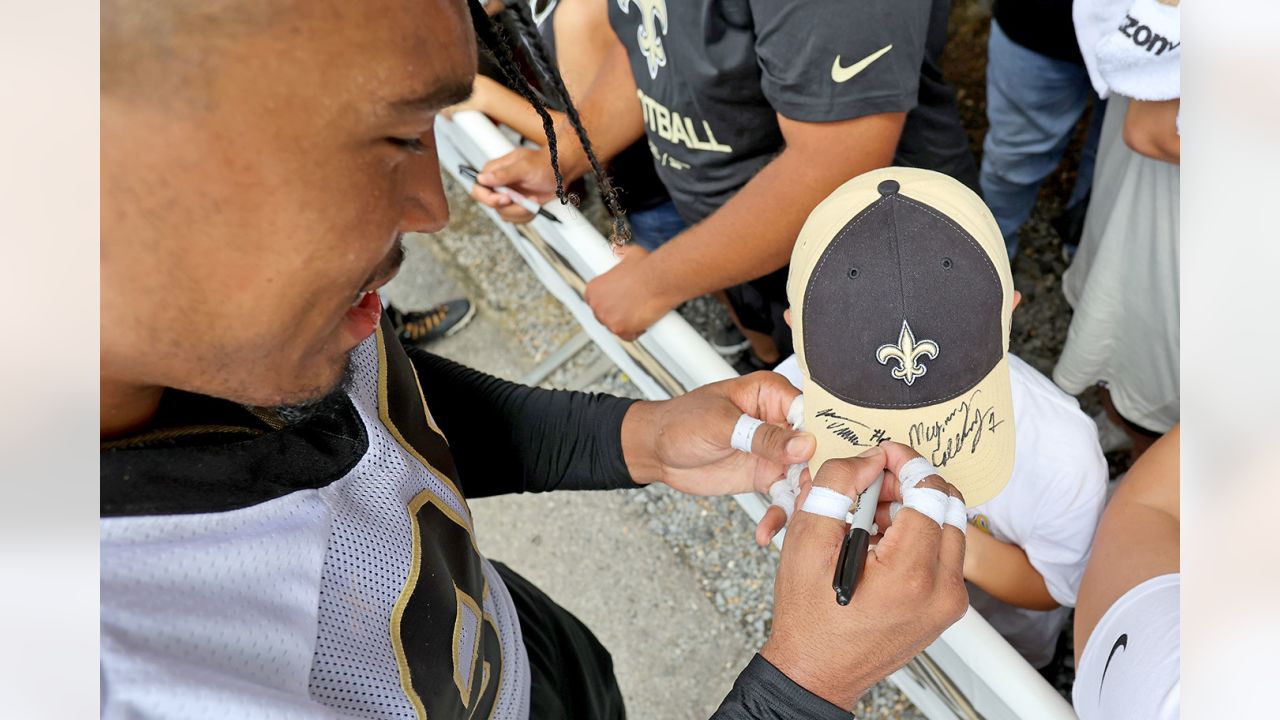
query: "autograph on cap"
962, 428
844, 428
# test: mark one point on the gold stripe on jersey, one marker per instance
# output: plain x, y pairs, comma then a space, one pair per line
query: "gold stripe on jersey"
384, 413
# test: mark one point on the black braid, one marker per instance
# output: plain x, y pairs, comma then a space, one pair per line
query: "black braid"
492, 41
551, 74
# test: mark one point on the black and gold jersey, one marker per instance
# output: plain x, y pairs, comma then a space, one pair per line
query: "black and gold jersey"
326, 567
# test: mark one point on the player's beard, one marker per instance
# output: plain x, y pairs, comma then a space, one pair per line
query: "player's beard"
297, 413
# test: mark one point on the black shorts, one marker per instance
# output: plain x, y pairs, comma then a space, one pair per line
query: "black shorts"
759, 305
571, 673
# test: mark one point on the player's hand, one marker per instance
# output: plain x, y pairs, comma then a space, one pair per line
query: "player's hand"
911, 590
524, 170
627, 299
685, 442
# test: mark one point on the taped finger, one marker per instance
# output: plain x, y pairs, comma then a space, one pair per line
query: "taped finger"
795, 413
913, 472
828, 503
744, 431
927, 501
956, 516
783, 495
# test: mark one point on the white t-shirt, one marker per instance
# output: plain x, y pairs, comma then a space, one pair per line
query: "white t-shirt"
1050, 508
1131, 663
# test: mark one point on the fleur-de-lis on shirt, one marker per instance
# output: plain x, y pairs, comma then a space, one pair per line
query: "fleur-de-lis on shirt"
908, 353
652, 14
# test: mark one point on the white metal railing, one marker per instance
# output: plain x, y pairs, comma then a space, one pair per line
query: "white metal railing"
971, 671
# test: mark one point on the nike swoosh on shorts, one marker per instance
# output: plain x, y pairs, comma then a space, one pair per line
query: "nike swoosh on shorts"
842, 74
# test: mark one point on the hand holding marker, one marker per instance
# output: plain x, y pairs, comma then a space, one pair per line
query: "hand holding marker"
524, 202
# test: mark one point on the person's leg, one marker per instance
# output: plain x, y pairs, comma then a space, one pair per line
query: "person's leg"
757, 307
571, 673
1089, 151
1033, 102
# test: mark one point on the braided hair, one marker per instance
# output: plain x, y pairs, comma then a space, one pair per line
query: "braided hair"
493, 40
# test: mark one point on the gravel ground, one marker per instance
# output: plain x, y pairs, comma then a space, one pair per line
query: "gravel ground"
711, 534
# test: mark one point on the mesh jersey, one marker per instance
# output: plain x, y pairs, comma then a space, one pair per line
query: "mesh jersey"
362, 595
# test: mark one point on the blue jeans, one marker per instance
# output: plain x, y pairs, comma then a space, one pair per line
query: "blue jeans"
654, 226
1033, 103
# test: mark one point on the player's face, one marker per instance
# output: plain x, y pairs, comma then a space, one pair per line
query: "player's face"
242, 228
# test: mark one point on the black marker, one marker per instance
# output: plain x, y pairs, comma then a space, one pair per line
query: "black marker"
516, 197
853, 552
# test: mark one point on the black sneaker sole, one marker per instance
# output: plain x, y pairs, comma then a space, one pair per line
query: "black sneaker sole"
466, 319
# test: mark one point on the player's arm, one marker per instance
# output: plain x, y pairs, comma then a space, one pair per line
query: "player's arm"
753, 234
1004, 572
511, 438
1137, 538
508, 438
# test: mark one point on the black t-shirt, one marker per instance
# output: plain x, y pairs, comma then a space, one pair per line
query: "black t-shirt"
1043, 26
712, 75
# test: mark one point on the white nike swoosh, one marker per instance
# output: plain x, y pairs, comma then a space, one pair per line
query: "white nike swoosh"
841, 74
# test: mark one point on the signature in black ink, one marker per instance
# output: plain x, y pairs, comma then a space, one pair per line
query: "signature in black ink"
842, 427
962, 428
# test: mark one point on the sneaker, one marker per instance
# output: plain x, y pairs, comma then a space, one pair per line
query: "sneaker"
728, 340
421, 327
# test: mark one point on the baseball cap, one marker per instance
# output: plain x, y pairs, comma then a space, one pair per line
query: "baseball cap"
901, 297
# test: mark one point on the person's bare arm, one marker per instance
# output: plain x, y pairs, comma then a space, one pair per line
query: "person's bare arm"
507, 107
583, 41
1137, 538
1150, 129
612, 116
752, 234
1003, 571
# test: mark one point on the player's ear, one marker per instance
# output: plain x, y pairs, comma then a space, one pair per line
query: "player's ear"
786, 314
1017, 298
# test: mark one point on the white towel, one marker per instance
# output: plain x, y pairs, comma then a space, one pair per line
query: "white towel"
1130, 47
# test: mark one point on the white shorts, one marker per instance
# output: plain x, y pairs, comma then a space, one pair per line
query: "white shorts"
1131, 663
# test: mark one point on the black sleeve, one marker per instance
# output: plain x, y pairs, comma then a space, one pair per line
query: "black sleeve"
762, 692
510, 438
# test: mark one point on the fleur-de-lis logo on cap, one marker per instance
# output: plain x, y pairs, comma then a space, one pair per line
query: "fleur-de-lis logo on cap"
652, 12
908, 353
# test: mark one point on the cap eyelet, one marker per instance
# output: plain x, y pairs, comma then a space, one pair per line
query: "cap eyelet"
947, 264
853, 273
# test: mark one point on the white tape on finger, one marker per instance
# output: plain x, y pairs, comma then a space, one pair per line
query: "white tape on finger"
913, 472
744, 432
894, 507
795, 414
956, 517
926, 501
783, 494
827, 502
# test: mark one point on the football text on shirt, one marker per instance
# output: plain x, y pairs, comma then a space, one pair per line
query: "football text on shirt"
678, 129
